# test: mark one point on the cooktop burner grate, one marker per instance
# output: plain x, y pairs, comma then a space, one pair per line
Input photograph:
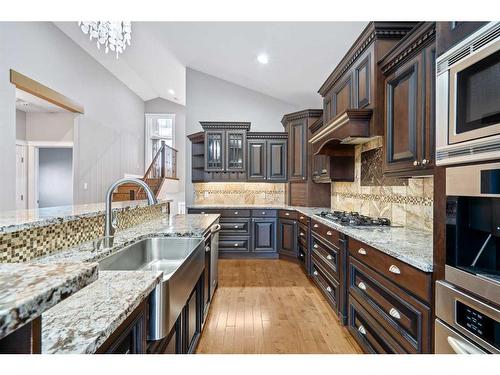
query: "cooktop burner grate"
353, 219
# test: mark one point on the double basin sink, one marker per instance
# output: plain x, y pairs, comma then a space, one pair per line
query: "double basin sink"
182, 261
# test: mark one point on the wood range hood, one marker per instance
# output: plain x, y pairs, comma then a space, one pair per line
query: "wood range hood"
336, 141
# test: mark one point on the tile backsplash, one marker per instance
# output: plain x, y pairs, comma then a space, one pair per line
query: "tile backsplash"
406, 202
239, 193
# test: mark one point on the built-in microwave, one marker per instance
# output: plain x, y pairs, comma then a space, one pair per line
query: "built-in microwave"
468, 99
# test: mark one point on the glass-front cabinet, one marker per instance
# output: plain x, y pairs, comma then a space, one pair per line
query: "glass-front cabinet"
235, 150
214, 143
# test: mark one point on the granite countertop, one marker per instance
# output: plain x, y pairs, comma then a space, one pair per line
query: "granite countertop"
412, 246
82, 323
29, 289
173, 226
12, 221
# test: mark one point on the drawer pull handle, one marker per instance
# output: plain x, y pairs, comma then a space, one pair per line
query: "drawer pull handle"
329, 233
315, 226
328, 289
315, 246
287, 213
362, 330
394, 313
362, 285
362, 251
236, 226
329, 257
263, 212
394, 269
301, 234
302, 218
236, 245
315, 273
236, 212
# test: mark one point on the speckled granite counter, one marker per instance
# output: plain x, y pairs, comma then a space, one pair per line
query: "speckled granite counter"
173, 226
411, 246
28, 289
82, 323
12, 221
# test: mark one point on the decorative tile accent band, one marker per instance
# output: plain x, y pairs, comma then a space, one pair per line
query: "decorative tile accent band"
239, 193
394, 198
28, 244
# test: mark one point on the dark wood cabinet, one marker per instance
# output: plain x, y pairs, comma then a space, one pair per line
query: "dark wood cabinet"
192, 320
214, 152
297, 155
287, 237
264, 235
409, 103
235, 150
267, 158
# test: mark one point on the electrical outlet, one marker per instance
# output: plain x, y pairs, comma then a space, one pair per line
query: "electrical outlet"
85, 186
206, 194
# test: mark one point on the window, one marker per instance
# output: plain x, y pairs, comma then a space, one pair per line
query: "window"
159, 128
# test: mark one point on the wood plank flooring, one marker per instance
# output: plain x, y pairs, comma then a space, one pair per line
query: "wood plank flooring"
270, 306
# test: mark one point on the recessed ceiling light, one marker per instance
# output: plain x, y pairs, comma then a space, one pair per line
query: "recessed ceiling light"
171, 92
263, 58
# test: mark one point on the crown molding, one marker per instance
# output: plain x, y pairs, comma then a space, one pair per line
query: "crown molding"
306, 113
233, 125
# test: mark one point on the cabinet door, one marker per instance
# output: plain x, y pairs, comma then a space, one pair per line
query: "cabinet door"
214, 153
276, 160
298, 151
287, 237
264, 235
403, 117
235, 150
257, 166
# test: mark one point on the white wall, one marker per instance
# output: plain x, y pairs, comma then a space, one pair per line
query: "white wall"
209, 98
55, 127
109, 137
20, 125
160, 105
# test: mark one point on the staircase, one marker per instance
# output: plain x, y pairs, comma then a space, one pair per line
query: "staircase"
162, 168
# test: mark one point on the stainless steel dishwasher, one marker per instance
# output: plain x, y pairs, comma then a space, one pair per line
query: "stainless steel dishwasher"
214, 257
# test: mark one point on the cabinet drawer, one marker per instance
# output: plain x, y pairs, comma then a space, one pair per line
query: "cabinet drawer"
264, 213
203, 211
303, 233
404, 275
368, 333
303, 218
234, 244
405, 318
235, 213
287, 214
235, 226
328, 256
328, 286
325, 232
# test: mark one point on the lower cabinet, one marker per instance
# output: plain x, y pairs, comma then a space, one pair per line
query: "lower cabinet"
184, 336
287, 237
264, 235
326, 283
130, 336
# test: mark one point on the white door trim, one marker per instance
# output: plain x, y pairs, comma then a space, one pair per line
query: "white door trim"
148, 117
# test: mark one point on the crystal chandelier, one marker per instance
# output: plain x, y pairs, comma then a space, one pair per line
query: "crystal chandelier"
114, 35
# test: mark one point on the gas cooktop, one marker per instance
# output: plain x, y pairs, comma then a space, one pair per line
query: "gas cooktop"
353, 219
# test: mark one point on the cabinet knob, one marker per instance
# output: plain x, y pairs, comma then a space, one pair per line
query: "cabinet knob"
203, 212
394, 269
236, 245
394, 313
362, 330
315, 273
236, 226
328, 289
287, 213
236, 212
315, 226
303, 178
329, 233
361, 251
301, 234
425, 162
263, 212
301, 218
416, 163
329, 257
315, 246
362, 285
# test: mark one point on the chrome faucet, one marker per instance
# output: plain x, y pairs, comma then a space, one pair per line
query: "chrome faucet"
110, 223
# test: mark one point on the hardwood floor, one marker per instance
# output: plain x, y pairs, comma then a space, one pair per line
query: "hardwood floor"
270, 306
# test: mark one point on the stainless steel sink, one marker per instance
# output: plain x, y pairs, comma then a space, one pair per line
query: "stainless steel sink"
182, 261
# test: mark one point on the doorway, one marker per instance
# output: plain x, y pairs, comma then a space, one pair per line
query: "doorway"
55, 176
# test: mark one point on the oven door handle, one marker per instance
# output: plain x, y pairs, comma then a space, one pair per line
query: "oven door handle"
461, 347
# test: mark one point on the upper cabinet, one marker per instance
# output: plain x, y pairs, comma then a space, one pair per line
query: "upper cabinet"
353, 93
267, 157
225, 146
409, 125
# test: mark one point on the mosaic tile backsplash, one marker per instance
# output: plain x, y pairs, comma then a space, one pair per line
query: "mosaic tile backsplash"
28, 244
239, 193
406, 202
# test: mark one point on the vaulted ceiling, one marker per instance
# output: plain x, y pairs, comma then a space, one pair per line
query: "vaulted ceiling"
301, 56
